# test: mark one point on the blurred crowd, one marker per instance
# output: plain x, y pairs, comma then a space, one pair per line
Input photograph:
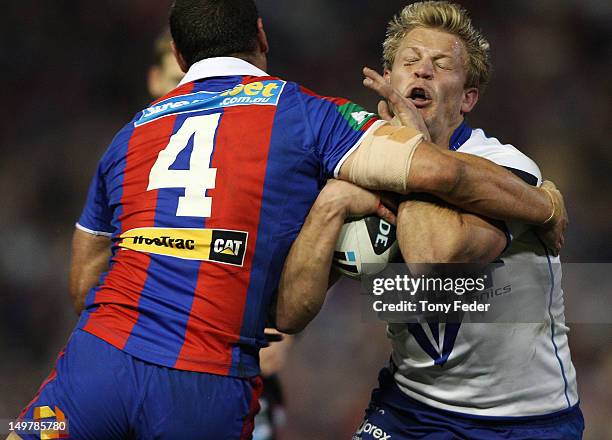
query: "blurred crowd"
75, 72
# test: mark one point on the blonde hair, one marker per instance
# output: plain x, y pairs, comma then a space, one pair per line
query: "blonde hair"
448, 17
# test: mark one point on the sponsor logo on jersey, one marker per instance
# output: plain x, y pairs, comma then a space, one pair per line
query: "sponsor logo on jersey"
361, 116
228, 246
220, 245
266, 92
258, 93
374, 431
355, 115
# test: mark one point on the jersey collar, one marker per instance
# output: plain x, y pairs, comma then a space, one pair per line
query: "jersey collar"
459, 136
220, 66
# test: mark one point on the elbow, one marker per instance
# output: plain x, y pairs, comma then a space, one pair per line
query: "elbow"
288, 327
289, 323
288, 320
293, 318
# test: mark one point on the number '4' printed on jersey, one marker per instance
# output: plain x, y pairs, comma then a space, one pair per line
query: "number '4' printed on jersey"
199, 177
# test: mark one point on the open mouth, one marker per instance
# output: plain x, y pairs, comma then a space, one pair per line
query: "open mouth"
419, 97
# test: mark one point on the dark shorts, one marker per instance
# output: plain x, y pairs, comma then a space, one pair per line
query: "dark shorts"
103, 393
392, 415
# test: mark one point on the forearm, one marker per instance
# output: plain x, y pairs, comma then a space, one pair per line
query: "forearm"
82, 280
305, 277
397, 159
477, 185
89, 260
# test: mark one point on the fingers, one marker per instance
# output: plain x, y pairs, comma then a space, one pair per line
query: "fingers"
550, 185
374, 81
396, 104
551, 241
554, 229
556, 249
384, 111
373, 76
386, 214
273, 335
562, 240
377, 83
390, 200
553, 238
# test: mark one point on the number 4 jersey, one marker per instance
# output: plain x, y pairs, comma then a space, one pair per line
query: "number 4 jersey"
202, 194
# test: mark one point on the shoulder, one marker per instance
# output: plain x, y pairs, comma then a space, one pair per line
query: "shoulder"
313, 100
117, 148
506, 155
316, 98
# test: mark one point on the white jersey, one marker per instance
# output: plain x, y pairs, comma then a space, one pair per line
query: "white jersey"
495, 369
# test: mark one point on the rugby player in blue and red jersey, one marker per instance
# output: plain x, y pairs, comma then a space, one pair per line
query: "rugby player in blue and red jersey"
202, 195
163, 76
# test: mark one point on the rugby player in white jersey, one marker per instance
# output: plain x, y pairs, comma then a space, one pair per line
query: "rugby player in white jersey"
507, 380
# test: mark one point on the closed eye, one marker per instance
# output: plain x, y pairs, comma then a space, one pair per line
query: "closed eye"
444, 65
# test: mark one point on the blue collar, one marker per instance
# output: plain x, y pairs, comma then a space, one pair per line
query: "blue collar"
459, 136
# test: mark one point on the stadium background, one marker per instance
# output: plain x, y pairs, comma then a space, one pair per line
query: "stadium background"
74, 72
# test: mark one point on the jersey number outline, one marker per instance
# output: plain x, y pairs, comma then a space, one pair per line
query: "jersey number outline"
200, 176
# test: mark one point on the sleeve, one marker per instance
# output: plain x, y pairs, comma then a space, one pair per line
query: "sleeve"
514, 161
97, 215
504, 155
338, 125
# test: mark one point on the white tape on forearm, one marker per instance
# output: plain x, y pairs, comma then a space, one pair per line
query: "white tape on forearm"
383, 159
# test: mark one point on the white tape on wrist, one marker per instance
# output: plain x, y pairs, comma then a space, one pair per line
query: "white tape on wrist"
382, 161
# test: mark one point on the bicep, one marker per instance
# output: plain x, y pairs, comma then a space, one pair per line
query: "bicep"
432, 231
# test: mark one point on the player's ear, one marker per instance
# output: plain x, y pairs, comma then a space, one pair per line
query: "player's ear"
470, 98
179, 58
262, 39
387, 75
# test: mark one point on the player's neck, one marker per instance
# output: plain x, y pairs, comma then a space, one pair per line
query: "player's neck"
442, 139
258, 59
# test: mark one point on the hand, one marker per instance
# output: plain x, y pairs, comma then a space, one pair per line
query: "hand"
273, 358
354, 200
397, 104
552, 231
272, 335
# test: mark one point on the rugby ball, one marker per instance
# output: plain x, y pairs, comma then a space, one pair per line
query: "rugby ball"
365, 246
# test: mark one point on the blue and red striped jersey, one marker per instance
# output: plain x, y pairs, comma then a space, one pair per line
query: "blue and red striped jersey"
202, 194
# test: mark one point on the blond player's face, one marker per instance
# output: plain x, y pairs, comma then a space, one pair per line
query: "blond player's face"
166, 77
430, 68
